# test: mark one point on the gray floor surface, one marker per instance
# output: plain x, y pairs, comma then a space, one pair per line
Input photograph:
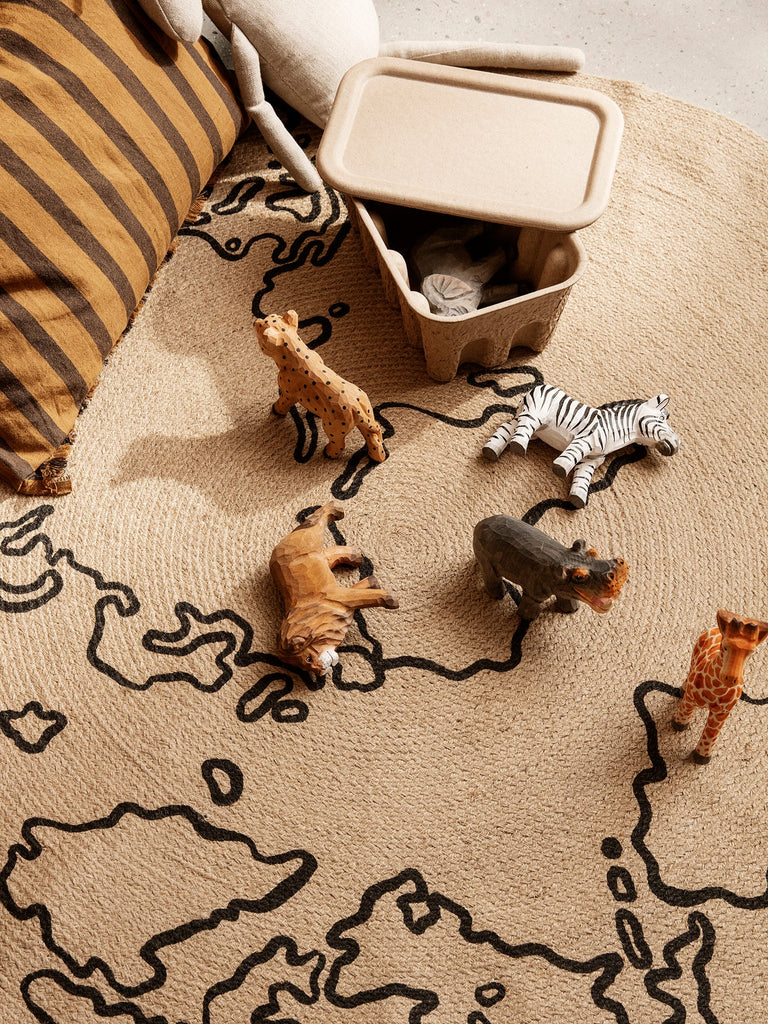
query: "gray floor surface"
713, 54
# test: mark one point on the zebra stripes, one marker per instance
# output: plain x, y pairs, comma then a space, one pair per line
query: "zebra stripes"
582, 434
108, 132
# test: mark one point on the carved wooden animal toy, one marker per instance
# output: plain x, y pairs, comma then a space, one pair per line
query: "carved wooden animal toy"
715, 678
509, 549
304, 379
584, 436
318, 609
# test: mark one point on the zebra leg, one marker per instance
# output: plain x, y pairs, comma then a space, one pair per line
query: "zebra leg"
582, 477
527, 423
576, 451
496, 444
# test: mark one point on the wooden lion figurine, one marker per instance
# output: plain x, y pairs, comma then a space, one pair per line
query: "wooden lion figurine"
318, 609
304, 379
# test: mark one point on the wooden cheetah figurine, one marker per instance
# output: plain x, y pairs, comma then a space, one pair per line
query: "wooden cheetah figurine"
304, 378
715, 679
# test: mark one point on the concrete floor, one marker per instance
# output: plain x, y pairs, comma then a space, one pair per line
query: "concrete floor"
713, 53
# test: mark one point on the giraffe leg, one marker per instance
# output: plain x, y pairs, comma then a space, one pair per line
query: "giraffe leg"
715, 721
685, 711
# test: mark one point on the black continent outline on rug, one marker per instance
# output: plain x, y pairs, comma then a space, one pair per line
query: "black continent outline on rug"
220, 796
261, 1014
57, 719
639, 955
273, 688
317, 245
606, 965
699, 928
265, 1011
98, 1003
670, 894
275, 897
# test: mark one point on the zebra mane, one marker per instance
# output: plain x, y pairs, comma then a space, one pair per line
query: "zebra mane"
623, 403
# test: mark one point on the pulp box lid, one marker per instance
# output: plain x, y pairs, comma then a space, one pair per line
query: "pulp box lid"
472, 143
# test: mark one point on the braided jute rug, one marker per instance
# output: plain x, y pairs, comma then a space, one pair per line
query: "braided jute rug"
473, 819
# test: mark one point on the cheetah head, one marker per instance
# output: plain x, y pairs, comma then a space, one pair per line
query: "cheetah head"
274, 330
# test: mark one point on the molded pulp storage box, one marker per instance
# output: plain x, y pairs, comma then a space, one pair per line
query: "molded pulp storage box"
417, 146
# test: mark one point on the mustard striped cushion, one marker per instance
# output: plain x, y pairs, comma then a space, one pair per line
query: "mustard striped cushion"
108, 132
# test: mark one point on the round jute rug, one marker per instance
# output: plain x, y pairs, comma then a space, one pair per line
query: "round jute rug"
473, 818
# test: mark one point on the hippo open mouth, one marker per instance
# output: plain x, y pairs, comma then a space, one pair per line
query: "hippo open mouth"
595, 601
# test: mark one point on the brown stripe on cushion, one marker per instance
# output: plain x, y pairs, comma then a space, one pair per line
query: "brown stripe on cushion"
103, 189
65, 216
19, 397
42, 342
28, 51
57, 281
215, 76
161, 54
109, 135
101, 51
12, 466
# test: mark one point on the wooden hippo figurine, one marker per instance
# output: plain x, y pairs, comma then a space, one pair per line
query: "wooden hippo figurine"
509, 549
716, 676
304, 378
318, 609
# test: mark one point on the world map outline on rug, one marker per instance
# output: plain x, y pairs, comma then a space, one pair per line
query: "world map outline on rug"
277, 980
21, 537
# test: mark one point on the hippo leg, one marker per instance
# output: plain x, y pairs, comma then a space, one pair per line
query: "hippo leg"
493, 582
528, 608
567, 605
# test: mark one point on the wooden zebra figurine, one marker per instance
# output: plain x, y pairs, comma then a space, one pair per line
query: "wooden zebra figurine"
584, 436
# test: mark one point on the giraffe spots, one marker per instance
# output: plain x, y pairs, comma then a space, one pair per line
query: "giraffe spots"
707, 685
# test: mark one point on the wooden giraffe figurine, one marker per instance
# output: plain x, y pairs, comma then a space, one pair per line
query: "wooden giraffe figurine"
716, 676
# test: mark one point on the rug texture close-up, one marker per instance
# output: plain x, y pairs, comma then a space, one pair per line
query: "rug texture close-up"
473, 817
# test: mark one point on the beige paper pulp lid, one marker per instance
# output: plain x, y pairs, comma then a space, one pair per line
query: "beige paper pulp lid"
472, 143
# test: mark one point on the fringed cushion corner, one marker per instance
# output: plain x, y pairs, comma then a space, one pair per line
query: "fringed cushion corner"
108, 133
